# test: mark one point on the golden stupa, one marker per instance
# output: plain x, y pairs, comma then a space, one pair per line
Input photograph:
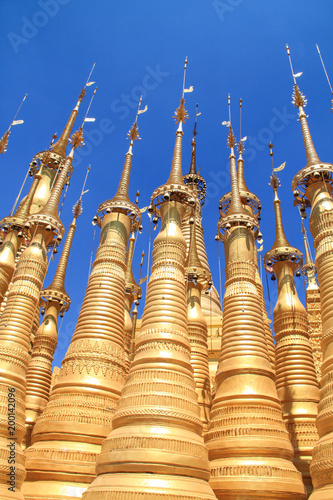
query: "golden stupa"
189, 401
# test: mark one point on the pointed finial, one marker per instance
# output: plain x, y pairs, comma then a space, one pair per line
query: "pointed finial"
181, 114
299, 101
327, 78
241, 139
77, 209
231, 141
5, 137
77, 138
193, 168
280, 237
133, 134
60, 146
236, 206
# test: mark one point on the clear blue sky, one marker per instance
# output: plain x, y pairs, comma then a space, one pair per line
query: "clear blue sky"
233, 46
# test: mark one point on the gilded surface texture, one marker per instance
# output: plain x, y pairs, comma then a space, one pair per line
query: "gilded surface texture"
68, 435
155, 449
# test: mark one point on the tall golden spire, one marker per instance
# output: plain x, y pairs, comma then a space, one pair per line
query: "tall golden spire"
296, 379
133, 135
181, 115
236, 206
132, 292
59, 147
17, 319
155, 447
313, 306
193, 166
79, 413
312, 187
198, 279
300, 102
5, 137
250, 201
248, 444
56, 300
280, 237
210, 303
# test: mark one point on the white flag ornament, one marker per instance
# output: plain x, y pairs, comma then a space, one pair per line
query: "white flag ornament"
198, 114
89, 83
281, 167
143, 110
298, 74
89, 119
244, 139
17, 122
190, 89
227, 124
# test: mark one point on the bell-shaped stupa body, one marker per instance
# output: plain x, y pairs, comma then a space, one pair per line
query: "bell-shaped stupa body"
67, 437
296, 380
252, 206
249, 447
312, 187
155, 449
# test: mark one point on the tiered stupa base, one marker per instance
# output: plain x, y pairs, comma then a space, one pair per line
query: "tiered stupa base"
129, 486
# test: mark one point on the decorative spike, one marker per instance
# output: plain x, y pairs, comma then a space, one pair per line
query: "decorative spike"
122, 191
5, 137
60, 146
299, 101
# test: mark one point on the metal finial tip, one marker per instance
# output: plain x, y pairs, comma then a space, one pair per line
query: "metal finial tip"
77, 209
240, 103
275, 181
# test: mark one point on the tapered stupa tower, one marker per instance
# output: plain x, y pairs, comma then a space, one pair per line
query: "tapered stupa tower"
132, 293
248, 444
56, 301
155, 448
198, 279
313, 306
252, 205
312, 187
45, 167
296, 379
68, 435
210, 303
16, 324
